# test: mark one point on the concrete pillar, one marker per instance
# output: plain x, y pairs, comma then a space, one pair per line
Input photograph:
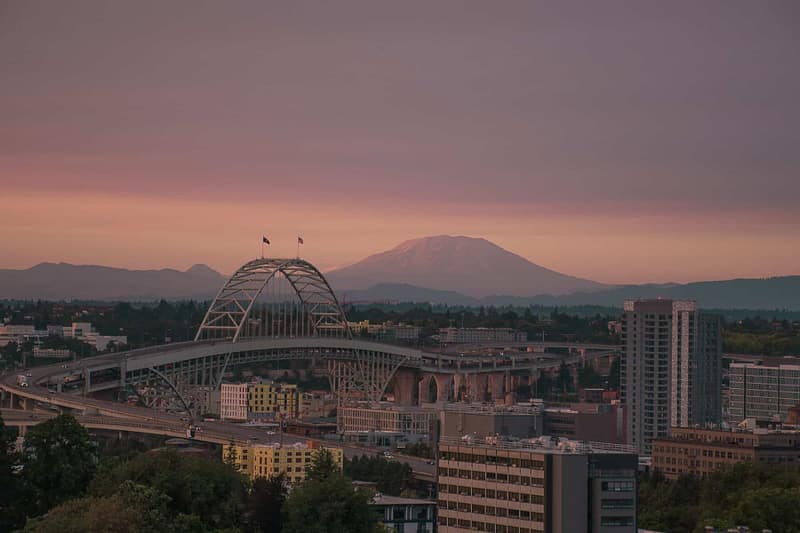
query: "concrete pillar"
443, 387
22, 430
27, 404
477, 387
510, 387
458, 387
404, 381
496, 382
425, 389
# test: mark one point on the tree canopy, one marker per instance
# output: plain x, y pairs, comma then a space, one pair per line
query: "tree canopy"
748, 494
59, 462
326, 502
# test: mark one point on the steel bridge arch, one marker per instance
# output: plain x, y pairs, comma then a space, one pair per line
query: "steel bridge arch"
230, 309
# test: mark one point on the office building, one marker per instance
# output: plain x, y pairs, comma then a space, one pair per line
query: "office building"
233, 401
596, 422
483, 420
764, 391
405, 515
670, 369
267, 460
267, 398
412, 422
700, 452
535, 486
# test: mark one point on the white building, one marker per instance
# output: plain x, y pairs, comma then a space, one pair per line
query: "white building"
233, 401
479, 335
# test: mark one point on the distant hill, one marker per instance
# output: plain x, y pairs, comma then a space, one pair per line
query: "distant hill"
770, 293
63, 281
474, 267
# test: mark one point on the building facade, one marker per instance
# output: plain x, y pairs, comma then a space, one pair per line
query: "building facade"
695, 366
596, 422
401, 420
699, 452
276, 399
267, 460
233, 401
670, 369
481, 420
535, 486
405, 515
479, 335
764, 392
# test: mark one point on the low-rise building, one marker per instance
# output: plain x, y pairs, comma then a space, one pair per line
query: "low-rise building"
267, 460
479, 335
414, 422
763, 391
535, 486
51, 353
274, 399
405, 515
482, 420
233, 401
599, 422
700, 452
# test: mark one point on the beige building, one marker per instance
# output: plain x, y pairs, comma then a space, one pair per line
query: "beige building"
233, 401
267, 460
700, 452
535, 486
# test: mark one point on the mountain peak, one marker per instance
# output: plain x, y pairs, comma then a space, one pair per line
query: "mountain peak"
470, 265
200, 269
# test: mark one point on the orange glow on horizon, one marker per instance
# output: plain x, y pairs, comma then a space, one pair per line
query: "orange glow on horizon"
142, 232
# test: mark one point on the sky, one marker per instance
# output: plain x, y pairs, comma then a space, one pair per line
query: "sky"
623, 142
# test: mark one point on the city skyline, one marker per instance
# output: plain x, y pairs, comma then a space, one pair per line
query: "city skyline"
660, 156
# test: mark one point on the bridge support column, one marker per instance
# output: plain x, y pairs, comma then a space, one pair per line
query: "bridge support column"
424, 389
23, 430
27, 404
476, 384
496, 386
511, 394
405, 380
459, 386
443, 387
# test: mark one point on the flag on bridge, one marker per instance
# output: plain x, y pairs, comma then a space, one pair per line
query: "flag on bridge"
300, 240
264, 240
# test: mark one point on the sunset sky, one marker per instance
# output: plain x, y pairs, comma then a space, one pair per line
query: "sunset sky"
617, 141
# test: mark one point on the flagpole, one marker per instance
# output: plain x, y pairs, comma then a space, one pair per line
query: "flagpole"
298, 247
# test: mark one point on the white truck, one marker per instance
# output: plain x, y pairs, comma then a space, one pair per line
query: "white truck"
22, 380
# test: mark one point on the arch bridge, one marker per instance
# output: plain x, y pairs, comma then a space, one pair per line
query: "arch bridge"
268, 310
277, 310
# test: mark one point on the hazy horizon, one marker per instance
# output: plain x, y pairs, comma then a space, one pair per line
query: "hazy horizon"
623, 142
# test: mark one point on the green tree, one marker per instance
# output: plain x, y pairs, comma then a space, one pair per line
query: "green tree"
588, 377
59, 462
11, 510
133, 509
327, 502
196, 486
392, 477
265, 504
